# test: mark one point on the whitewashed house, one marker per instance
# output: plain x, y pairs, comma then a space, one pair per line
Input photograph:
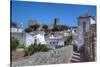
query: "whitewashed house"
40, 38
54, 41
59, 34
18, 32
37, 38
26, 38
29, 39
23, 37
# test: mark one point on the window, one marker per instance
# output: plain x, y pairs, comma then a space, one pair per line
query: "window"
53, 42
84, 26
57, 42
50, 42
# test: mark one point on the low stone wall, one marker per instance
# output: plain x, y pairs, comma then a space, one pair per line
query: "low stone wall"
57, 56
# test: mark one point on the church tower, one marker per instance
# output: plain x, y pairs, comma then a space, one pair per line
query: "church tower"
84, 23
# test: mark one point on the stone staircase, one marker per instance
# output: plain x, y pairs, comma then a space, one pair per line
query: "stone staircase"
75, 57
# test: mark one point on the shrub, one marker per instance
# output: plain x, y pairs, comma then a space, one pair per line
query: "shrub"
75, 47
67, 43
59, 46
68, 40
33, 48
21, 46
14, 43
43, 48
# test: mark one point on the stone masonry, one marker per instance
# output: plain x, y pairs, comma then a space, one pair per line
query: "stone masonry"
56, 56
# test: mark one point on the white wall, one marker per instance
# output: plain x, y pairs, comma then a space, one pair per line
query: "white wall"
92, 21
16, 30
29, 40
57, 42
40, 39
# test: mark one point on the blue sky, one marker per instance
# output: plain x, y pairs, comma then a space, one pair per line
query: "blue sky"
45, 13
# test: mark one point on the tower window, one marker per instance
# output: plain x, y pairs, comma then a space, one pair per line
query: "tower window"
84, 26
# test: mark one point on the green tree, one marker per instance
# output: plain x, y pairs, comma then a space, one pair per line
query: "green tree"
63, 27
14, 43
34, 27
45, 27
56, 28
60, 27
28, 30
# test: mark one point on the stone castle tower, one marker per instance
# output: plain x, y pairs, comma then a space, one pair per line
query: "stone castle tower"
56, 21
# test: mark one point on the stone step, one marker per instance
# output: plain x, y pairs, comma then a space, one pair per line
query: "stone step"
75, 57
